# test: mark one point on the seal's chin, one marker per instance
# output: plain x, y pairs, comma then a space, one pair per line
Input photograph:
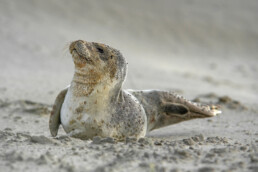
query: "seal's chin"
74, 53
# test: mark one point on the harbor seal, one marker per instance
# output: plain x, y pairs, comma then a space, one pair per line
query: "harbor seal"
94, 104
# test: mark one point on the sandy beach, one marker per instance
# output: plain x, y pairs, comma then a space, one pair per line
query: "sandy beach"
204, 50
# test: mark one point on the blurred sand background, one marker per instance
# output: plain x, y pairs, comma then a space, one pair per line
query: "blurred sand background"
193, 47
213, 43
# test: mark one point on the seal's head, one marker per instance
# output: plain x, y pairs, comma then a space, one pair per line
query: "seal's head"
97, 63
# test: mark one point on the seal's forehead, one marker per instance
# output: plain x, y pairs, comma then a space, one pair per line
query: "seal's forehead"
98, 44
81, 44
106, 50
102, 47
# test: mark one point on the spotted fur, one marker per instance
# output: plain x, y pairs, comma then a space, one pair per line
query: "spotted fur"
94, 104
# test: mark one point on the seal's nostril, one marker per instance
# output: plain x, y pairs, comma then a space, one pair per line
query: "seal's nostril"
72, 46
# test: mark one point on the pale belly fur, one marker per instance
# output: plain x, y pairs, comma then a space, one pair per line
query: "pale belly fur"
82, 117
77, 120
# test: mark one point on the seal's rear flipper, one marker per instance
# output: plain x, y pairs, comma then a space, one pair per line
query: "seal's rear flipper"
174, 108
54, 120
164, 108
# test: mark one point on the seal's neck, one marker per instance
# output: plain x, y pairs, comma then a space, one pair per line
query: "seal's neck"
95, 86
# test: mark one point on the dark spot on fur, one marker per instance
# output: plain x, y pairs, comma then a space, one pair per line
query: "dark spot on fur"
175, 109
72, 122
152, 119
79, 117
79, 109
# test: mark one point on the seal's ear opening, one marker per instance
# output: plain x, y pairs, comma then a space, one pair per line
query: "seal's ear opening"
171, 109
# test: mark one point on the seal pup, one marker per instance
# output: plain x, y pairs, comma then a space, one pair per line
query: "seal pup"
94, 104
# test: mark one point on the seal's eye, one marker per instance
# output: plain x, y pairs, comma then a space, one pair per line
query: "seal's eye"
100, 50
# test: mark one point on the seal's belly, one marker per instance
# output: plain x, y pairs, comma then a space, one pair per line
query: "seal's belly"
82, 118
83, 125
78, 120
80, 125
73, 115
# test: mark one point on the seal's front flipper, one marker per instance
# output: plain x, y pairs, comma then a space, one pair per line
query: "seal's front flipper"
54, 120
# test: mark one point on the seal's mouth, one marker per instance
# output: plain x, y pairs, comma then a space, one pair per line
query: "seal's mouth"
76, 54
78, 49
